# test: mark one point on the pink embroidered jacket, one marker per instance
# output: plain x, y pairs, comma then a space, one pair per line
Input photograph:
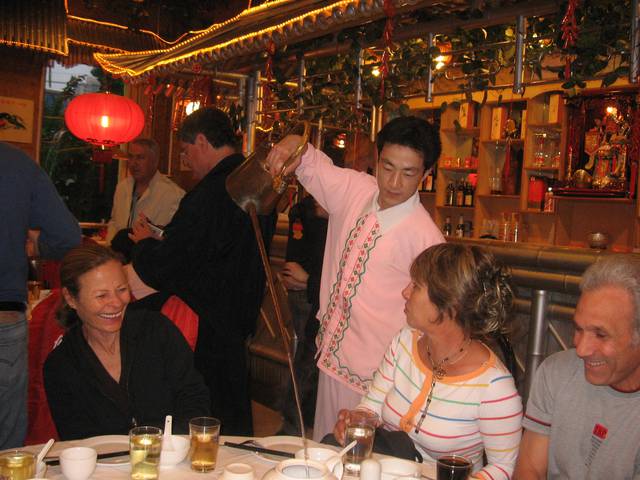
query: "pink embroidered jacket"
366, 265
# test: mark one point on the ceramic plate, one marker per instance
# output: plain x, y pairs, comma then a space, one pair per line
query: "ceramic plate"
108, 444
282, 443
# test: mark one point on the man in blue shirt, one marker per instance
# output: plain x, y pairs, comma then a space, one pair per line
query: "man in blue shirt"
28, 201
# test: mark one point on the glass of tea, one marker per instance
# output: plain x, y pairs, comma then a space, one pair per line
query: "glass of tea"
361, 427
205, 433
145, 444
453, 467
17, 465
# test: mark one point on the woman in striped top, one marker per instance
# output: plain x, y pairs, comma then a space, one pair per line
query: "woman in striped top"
438, 381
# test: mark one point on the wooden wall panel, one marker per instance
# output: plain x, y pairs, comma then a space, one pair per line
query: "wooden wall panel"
22, 76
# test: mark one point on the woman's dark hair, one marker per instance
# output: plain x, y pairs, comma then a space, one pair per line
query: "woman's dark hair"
415, 133
213, 123
469, 285
76, 263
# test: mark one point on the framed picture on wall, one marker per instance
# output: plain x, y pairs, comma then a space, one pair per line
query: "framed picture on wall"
16, 119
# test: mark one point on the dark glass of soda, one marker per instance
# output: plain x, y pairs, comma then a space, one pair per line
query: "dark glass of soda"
453, 467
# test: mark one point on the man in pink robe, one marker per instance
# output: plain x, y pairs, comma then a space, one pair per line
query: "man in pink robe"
377, 226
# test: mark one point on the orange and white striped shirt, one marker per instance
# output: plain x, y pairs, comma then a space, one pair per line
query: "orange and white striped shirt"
468, 415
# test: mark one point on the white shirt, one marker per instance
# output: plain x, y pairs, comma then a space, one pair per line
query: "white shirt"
158, 202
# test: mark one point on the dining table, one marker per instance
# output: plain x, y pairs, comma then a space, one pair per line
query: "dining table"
119, 467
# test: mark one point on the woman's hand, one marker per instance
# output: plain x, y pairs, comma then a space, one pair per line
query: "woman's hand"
340, 428
281, 152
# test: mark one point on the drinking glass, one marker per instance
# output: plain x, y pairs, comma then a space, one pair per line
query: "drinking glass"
145, 444
17, 465
205, 432
361, 427
453, 467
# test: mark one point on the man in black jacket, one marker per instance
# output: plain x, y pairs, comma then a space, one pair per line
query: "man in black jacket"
209, 257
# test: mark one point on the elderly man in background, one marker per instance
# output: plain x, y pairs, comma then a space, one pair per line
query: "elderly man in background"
28, 201
582, 416
376, 229
146, 191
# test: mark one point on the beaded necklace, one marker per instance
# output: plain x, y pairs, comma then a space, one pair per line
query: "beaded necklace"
439, 373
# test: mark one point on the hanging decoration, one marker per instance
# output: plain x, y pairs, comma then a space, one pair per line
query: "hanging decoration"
387, 36
104, 120
569, 27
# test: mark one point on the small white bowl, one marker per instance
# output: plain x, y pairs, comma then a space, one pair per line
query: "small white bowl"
170, 458
78, 463
238, 471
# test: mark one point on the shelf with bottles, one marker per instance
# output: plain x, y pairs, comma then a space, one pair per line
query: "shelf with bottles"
460, 228
459, 191
460, 134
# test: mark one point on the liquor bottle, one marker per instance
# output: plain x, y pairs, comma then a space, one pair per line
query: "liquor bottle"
428, 182
460, 227
504, 231
450, 198
468, 195
446, 229
549, 201
460, 195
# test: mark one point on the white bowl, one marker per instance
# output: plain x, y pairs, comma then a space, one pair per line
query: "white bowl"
396, 467
238, 471
78, 463
170, 458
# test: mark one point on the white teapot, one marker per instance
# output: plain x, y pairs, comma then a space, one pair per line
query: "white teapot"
299, 468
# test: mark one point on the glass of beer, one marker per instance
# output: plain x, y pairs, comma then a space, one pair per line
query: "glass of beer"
205, 432
17, 465
145, 444
453, 467
361, 427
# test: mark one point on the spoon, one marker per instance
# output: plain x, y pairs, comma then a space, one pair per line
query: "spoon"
167, 443
44, 451
346, 449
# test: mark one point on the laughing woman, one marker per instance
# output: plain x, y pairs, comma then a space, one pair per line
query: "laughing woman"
115, 368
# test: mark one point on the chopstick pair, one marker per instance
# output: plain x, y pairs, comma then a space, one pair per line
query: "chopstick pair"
56, 460
256, 449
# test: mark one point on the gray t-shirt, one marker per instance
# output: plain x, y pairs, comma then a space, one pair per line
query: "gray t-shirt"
594, 431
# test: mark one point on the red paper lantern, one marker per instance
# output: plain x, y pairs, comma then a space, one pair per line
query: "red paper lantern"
104, 119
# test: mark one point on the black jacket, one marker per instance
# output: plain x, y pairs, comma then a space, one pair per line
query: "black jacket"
157, 379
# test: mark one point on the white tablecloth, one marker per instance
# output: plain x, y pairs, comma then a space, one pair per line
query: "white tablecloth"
182, 471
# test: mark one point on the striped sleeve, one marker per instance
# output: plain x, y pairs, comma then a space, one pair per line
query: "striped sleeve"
500, 424
383, 378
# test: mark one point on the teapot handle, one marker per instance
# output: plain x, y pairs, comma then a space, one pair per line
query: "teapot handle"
279, 181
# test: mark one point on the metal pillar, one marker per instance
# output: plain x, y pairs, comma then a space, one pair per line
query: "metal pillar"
302, 71
429, 93
537, 330
634, 54
521, 31
251, 109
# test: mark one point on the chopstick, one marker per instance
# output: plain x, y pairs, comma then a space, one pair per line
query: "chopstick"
56, 460
255, 449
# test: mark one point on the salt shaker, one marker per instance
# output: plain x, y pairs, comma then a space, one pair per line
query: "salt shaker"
370, 469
